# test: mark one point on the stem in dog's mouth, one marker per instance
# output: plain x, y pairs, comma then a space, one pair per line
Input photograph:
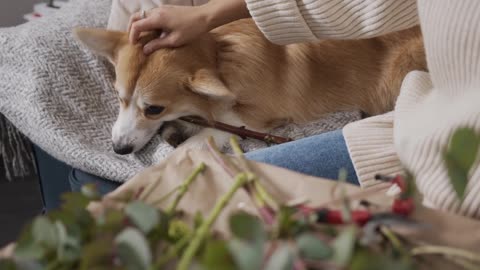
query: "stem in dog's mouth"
242, 132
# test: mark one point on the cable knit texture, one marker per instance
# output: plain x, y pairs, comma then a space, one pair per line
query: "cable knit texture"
430, 106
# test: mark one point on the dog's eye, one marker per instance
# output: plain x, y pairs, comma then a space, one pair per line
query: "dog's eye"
154, 110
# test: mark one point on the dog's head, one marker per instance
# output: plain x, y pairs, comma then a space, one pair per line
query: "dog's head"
163, 86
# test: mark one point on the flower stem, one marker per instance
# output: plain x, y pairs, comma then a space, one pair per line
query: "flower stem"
396, 243
184, 188
202, 232
262, 192
172, 252
449, 251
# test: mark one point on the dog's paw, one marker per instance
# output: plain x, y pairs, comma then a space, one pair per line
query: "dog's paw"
173, 133
194, 144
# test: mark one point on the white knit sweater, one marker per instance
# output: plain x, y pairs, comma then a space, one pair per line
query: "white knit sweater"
431, 105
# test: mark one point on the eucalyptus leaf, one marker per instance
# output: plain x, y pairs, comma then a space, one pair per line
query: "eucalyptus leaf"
97, 253
217, 256
458, 176
21, 264
459, 157
247, 227
281, 259
247, 256
344, 246
312, 248
44, 232
142, 215
8, 264
27, 248
133, 249
68, 248
74, 201
90, 191
366, 260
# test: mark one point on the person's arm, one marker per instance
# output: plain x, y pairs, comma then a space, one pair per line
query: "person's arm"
182, 24
291, 21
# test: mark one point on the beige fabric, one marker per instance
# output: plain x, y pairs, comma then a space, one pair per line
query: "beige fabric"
442, 228
123, 9
430, 107
284, 185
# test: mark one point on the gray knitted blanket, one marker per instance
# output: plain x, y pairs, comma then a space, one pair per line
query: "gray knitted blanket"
61, 96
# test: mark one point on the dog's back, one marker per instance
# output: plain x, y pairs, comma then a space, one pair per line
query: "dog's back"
300, 82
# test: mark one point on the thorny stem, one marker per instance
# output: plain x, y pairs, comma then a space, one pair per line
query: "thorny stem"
359, 195
448, 251
164, 197
184, 188
262, 193
149, 189
202, 231
396, 243
463, 263
172, 252
231, 169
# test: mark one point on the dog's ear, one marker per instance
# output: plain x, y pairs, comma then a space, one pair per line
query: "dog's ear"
208, 83
100, 41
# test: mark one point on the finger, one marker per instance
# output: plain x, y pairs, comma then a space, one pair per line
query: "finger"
164, 41
143, 25
135, 17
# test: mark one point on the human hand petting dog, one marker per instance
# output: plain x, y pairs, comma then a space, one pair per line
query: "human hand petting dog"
180, 25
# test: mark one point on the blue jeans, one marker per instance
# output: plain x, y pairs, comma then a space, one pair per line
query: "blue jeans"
321, 155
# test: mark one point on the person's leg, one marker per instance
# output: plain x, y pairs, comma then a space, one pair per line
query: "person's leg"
321, 155
53, 178
79, 178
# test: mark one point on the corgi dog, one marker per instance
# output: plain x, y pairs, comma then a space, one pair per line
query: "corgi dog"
235, 75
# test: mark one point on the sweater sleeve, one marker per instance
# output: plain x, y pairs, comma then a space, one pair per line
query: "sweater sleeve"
291, 21
371, 147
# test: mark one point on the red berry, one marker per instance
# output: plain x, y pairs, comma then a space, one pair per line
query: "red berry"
403, 206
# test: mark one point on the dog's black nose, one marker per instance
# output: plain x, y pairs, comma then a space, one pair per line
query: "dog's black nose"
123, 149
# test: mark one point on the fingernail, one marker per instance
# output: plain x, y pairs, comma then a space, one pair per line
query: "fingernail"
147, 50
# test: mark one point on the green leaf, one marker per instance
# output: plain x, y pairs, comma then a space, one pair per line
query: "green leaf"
133, 249
247, 227
463, 147
458, 176
247, 256
90, 191
44, 232
27, 248
68, 249
74, 201
459, 157
312, 248
7, 264
217, 256
198, 220
366, 260
282, 259
344, 245
142, 215
97, 253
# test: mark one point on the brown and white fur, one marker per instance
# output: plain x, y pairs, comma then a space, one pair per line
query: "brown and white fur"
235, 75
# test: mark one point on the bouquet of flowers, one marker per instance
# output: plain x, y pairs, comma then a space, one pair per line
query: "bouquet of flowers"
129, 231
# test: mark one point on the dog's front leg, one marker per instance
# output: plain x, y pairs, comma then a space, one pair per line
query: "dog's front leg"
199, 141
